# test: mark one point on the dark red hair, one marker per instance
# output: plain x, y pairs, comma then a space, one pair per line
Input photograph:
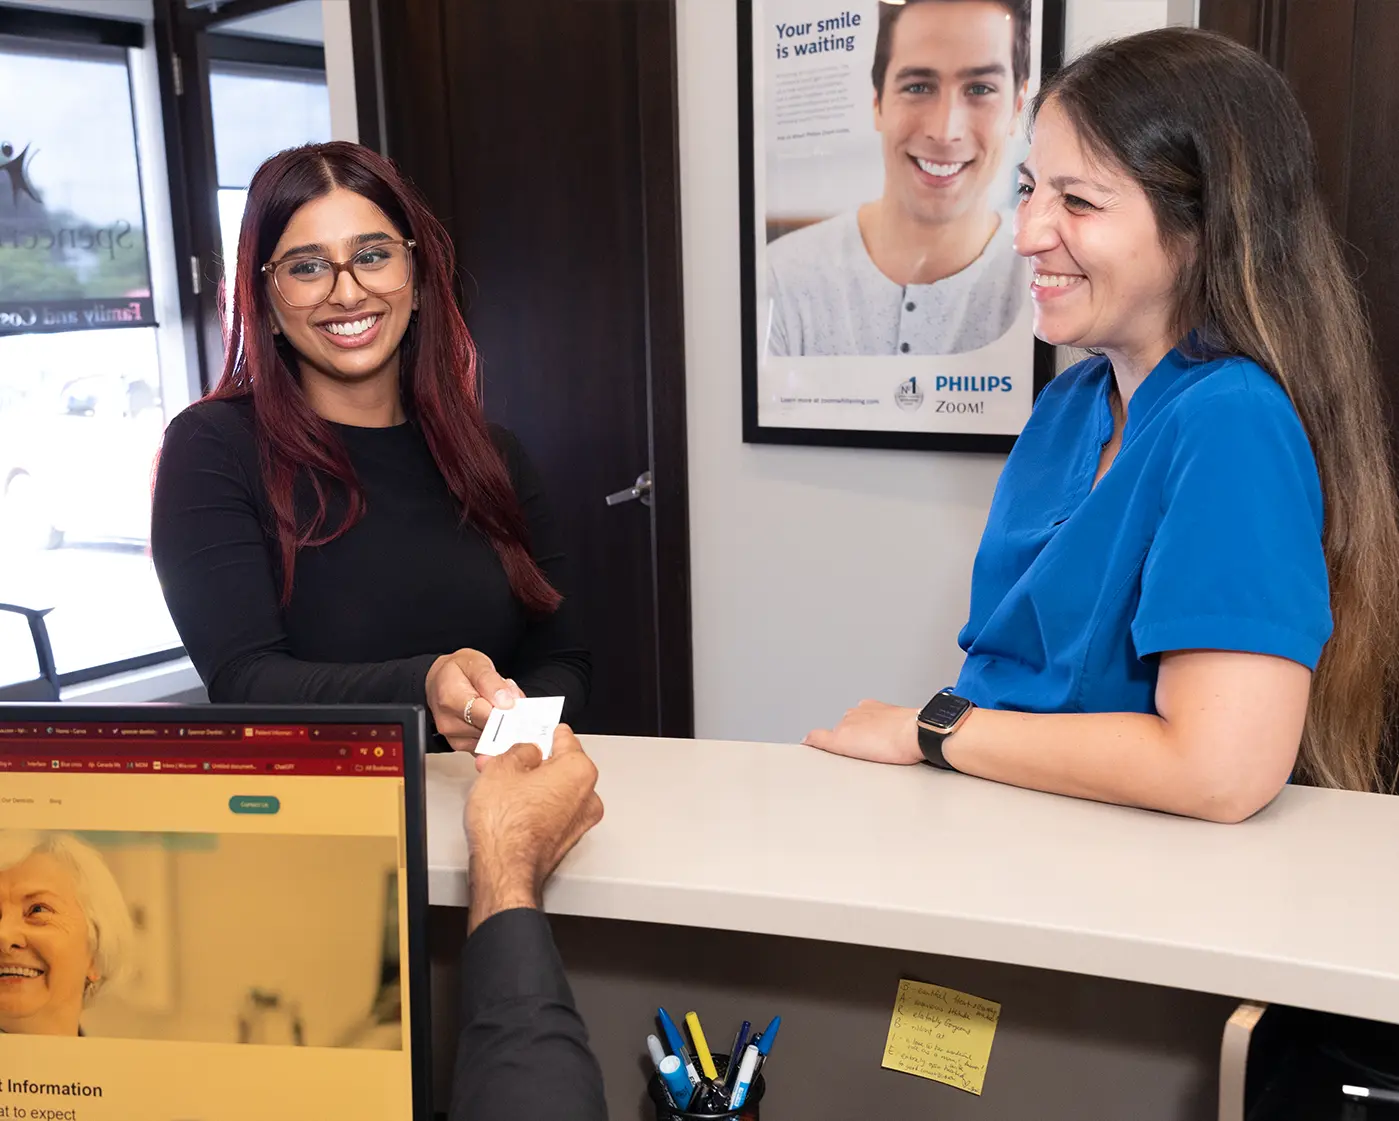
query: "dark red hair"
437, 369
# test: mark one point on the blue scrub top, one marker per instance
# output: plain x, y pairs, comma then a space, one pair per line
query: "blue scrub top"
1204, 534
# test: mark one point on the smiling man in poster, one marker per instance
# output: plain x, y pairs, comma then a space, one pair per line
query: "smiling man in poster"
928, 267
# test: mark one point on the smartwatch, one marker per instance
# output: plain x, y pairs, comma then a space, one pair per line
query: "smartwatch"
940, 717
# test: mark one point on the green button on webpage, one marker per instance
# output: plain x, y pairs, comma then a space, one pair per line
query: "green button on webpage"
242, 804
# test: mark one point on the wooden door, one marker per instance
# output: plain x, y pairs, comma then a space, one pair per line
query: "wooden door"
544, 134
1339, 56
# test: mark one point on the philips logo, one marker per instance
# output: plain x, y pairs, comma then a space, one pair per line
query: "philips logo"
971, 384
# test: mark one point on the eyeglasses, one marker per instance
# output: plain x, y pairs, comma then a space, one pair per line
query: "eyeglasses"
381, 268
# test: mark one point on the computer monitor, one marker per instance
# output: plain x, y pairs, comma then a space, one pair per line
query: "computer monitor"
212, 913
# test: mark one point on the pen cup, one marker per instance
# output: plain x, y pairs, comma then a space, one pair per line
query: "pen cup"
747, 1112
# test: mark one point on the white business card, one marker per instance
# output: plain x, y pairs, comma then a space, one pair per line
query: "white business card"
532, 720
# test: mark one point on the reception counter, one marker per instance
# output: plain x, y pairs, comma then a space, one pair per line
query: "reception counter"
774, 878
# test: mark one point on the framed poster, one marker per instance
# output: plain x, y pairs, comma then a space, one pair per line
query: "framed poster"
884, 304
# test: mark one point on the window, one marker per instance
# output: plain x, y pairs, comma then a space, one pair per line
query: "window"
258, 111
85, 384
97, 350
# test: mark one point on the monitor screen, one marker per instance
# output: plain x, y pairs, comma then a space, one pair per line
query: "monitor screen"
207, 918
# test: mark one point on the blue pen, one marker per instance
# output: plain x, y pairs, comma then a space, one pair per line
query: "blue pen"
736, 1054
765, 1040
767, 1035
676, 1043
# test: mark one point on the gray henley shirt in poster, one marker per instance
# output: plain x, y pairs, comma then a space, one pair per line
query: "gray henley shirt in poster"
827, 297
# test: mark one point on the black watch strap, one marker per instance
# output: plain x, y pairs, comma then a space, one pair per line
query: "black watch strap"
940, 717
930, 743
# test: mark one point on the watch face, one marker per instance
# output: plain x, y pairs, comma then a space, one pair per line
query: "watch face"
943, 710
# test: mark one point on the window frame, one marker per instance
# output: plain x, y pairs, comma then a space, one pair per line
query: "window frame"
168, 70
256, 51
256, 64
137, 41
68, 27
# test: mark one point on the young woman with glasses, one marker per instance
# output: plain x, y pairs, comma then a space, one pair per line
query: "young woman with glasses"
336, 522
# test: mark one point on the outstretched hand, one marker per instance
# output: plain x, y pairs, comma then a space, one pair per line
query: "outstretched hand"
523, 816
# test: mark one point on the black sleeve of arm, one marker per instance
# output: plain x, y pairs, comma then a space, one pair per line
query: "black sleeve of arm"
553, 659
220, 583
523, 1051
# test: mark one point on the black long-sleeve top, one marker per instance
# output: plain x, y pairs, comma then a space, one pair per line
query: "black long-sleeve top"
371, 610
523, 1051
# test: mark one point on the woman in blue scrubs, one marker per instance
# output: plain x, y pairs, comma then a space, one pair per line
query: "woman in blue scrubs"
1186, 590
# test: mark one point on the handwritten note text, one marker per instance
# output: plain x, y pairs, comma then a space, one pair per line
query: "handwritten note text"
941, 1034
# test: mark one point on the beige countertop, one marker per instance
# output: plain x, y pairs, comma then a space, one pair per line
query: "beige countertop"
1298, 905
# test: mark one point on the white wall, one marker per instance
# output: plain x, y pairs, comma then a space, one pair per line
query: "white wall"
820, 576
1091, 21
340, 70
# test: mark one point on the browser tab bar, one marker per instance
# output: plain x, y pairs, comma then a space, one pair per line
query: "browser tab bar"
267, 733
164, 748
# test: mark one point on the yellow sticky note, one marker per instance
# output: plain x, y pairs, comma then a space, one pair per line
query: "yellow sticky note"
941, 1034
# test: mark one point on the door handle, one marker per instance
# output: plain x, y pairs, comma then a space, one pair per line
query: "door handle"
640, 489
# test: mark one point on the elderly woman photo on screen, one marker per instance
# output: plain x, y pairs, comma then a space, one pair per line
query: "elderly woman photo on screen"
63, 929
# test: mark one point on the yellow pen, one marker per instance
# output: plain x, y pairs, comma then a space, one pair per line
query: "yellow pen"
706, 1060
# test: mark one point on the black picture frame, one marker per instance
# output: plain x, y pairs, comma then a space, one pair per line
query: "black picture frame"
1051, 59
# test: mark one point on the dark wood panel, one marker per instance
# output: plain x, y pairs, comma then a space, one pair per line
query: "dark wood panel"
1372, 228
1339, 55
1373, 206
1241, 20
1316, 57
548, 206
659, 129
416, 126
544, 134
367, 49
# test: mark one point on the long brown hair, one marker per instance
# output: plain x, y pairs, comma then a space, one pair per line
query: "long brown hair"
437, 371
1218, 142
